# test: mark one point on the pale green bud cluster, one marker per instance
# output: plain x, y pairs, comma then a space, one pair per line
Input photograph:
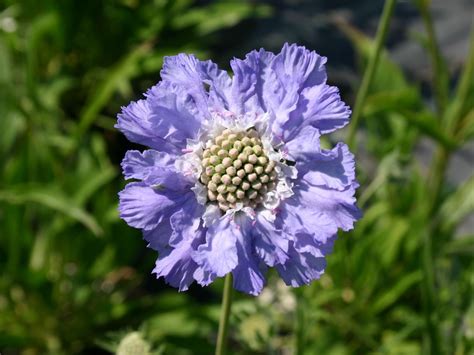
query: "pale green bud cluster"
133, 344
236, 169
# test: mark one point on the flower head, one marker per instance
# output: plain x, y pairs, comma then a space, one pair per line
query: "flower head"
236, 180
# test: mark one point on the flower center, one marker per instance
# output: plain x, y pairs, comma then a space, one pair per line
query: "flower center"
237, 170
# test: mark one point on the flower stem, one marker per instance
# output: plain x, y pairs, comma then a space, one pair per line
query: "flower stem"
224, 318
440, 74
370, 70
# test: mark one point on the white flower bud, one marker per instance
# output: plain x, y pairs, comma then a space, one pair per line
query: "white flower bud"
251, 194
231, 171
240, 194
236, 180
248, 150
259, 170
252, 158
264, 179
227, 162
248, 168
252, 177
238, 145
237, 164
226, 179
219, 169
211, 195
242, 157
214, 160
234, 153
257, 149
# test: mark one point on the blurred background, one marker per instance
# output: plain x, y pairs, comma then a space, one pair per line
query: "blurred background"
75, 279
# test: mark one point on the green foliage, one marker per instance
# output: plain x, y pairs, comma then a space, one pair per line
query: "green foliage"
76, 279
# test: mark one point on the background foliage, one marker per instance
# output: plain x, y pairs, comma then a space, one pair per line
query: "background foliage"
76, 279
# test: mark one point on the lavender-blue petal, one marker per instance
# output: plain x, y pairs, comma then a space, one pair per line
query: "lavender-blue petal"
249, 272
295, 217
270, 243
155, 168
321, 107
301, 268
144, 207
175, 115
182, 223
193, 75
136, 123
176, 264
298, 64
218, 255
334, 168
304, 143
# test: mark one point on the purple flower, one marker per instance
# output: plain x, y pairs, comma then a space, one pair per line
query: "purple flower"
236, 180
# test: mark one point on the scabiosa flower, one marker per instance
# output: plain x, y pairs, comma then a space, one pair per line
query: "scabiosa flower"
235, 180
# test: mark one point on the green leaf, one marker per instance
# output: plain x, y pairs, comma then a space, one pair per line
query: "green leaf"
218, 15
458, 205
393, 294
427, 124
388, 75
53, 200
116, 77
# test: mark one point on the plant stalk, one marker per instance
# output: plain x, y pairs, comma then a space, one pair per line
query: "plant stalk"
382, 30
440, 74
224, 318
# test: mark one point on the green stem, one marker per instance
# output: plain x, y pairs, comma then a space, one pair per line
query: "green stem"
440, 75
370, 70
299, 323
453, 113
224, 318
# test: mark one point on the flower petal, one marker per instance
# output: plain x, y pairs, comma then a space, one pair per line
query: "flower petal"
301, 268
174, 114
138, 165
182, 224
244, 91
143, 207
298, 217
270, 243
218, 255
334, 168
321, 107
176, 264
193, 75
186, 222
158, 238
298, 69
154, 168
136, 123
337, 206
297, 64
305, 142
249, 273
